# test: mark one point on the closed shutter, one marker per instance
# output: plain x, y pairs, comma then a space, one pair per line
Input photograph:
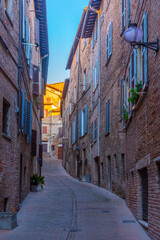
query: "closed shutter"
24, 24
80, 124
36, 26
110, 39
23, 108
35, 80
86, 119
34, 143
28, 120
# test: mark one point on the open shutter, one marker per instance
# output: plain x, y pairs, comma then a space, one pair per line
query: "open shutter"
24, 24
30, 63
135, 66
80, 124
128, 12
110, 39
145, 49
86, 119
28, 120
35, 80
26, 35
123, 14
107, 48
36, 26
23, 108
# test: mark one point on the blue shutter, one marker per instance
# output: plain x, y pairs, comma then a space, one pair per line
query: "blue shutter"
146, 50
28, 46
121, 89
97, 72
28, 120
123, 16
92, 133
30, 63
23, 107
80, 124
86, 119
108, 115
24, 25
26, 35
135, 66
128, 12
110, 39
107, 48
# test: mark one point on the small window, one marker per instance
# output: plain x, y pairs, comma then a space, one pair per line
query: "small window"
123, 165
128, 12
84, 80
107, 130
44, 129
6, 117
109, 43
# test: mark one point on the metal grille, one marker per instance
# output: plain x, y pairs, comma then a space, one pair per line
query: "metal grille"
144, 189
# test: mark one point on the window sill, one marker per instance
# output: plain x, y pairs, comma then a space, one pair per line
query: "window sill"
9, 18
6, 136
143, 223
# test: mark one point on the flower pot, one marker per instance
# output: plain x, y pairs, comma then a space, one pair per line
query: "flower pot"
34, 188
8, 221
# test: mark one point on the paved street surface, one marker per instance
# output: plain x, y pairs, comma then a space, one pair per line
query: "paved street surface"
69, 209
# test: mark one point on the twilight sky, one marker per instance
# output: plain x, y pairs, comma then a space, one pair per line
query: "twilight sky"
63, 20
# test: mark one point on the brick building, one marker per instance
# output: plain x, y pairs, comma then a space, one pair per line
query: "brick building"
23, 76
123, 142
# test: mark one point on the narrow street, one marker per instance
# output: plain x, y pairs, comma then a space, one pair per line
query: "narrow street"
69, 209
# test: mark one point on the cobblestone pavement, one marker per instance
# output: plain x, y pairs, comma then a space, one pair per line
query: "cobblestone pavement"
69, 209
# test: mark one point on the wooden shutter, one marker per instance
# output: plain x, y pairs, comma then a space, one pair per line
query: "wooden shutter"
128, 12
28, 120
80, 124
34, 143
23, 108
86, 119
24, 24
36, 27
35, 80
110, 39
123, 16
146, 50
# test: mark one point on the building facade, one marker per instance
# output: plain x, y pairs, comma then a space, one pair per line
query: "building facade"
23, 76
123, 106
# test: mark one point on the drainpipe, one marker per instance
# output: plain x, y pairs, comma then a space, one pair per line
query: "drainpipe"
19, 66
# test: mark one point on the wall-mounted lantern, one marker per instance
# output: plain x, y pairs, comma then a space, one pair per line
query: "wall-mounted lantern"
134, 35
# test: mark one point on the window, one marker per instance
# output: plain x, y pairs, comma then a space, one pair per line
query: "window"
36, 31
107, 128
144, 194
83, 121
92, 133
84, 80
96, 29
35, 88
6, 117
74, 131
70, 108
123, 14
34, 143
95, 75
52, 147
95, 129
123, 97
123, 165
9, 8
109, 43
128, 12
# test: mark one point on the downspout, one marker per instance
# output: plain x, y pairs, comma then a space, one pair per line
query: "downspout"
19, 66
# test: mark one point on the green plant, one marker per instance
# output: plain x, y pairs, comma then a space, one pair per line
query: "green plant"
125, 114
135, 93
36, 180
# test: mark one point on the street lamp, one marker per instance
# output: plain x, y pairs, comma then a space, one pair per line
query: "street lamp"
134, 35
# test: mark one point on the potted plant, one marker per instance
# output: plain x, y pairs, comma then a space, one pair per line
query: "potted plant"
125, 114
135, 93
35, 181
8, 220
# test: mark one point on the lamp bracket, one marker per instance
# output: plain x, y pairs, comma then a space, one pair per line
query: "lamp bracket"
151, 45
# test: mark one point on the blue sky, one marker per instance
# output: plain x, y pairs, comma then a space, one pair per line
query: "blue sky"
63, 20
